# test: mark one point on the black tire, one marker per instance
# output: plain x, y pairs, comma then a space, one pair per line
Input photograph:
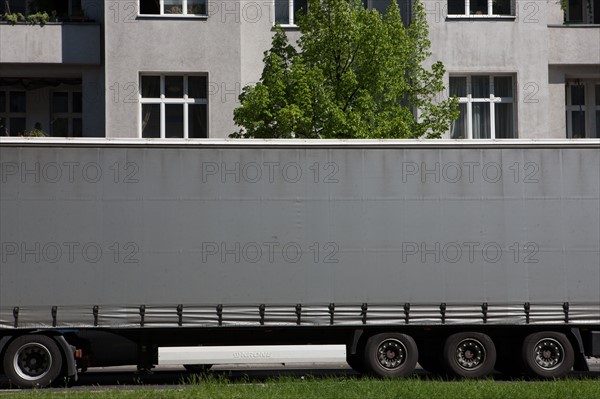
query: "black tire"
32, 361
197, 368
390, 355
469, 355
547, 354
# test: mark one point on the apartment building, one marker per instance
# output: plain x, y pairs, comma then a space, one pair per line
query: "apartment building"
174, 68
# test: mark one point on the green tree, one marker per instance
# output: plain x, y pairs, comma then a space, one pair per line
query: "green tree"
357, 74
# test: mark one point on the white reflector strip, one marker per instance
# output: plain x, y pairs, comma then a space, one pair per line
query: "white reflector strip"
252, 354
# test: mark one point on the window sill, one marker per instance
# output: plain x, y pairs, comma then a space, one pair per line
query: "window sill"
574, 25
171, 16
481, 17
290, 27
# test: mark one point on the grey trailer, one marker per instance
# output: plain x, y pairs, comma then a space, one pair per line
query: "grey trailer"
462, 256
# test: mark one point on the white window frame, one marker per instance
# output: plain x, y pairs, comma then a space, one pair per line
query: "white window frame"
184, 13
490, 11
590, 107
163, 100
491, 100
291, 20
6, 114
588, 18
69, 115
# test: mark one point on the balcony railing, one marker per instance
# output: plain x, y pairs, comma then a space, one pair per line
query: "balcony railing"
52, 43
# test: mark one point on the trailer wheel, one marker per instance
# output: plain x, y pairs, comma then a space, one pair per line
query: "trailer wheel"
390, 355
32, 361
197, 368
469, 355
547, 354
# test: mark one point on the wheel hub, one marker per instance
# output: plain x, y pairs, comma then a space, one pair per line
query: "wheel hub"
32, 361
549, 353
391, 354
470, 354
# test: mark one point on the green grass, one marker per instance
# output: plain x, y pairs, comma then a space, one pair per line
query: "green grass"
346, 388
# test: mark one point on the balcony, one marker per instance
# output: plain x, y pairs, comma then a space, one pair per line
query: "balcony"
574, 44
53, 43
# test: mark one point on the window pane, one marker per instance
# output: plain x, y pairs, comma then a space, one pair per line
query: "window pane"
174, 121
503, 86
173, 6
197, 121
597, 90
300, 7
77, 127
151, 86
2, 101
578, 123
479, 7
150, 120
458, 86
18, 6
17, 126
60, 127
456, 7
382, 5
196, 7
503, 114
60, 102
481, 121
575, 9
480, 86
17, 101
577, 95
77, 102
501, 7
197, 86
174, 86
459, 127
149, 6
598, 124
282, 12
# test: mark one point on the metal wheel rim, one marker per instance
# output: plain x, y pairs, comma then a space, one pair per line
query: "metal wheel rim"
549, 354
32, 361
470, 354
391, 354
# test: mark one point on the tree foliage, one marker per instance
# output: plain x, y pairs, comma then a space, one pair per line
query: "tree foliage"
356, 74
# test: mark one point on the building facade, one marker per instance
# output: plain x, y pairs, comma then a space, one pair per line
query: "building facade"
175, 68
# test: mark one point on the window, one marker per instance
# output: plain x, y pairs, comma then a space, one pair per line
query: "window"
173, 7
486, 105
62, 8
174, 106
583, 109
288, 11
65, 114
13, 107
582, 12
480, 7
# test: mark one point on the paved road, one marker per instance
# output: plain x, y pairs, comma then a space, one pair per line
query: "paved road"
164, 377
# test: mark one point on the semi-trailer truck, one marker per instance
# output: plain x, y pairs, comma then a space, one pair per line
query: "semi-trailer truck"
463, 256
